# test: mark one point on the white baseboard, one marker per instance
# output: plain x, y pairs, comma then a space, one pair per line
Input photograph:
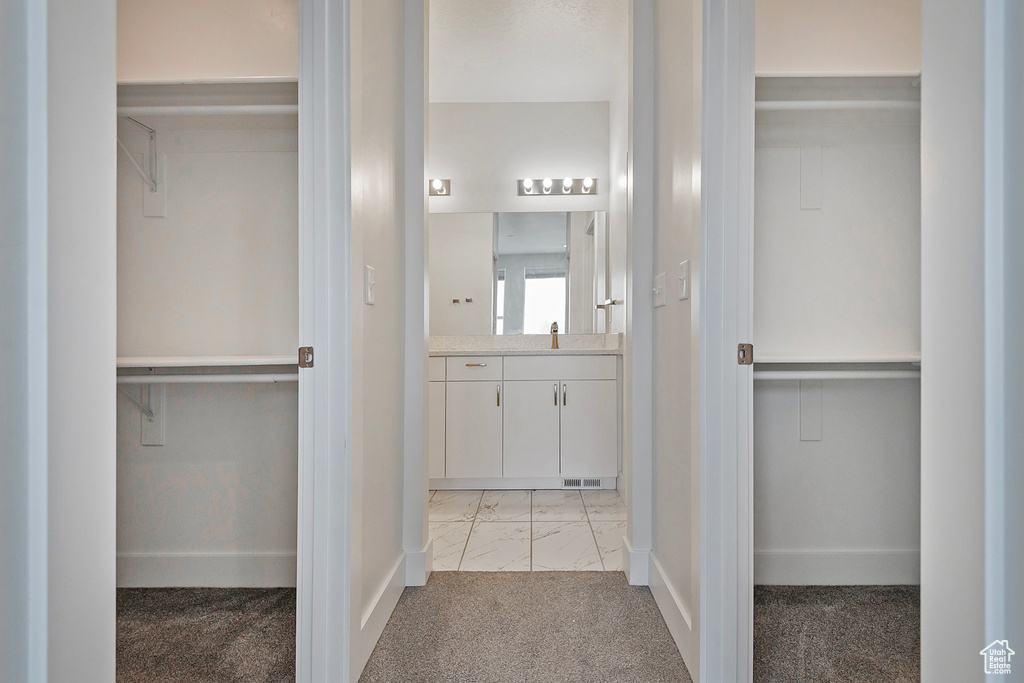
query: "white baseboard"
676, 612
636, 564
375, 616
837, 568
216, 570
419, 564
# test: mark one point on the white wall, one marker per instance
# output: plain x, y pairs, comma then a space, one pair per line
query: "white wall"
195, 40
216, 276
844, 509
216, 505
219, 274
837, 37
675, 546
952, 343
581, 274
14, 338
81, 339
461, 248
840, 278
485, 147
378, 343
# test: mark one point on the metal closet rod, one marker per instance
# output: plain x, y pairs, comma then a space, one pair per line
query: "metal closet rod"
208, 109
820, 105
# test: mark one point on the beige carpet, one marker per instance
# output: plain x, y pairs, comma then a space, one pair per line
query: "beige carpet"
556, 626
535, 627
188, 635
826, 634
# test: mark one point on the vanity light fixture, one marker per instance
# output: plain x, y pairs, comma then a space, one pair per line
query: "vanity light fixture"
528, 187
440, 187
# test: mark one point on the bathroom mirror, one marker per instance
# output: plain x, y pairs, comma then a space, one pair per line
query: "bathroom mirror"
517, 272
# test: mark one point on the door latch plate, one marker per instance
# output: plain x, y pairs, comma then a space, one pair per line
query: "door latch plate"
745, 354
305, 356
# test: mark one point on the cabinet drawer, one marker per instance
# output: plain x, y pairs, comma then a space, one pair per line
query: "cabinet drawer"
435, 369
470, 368
559, 367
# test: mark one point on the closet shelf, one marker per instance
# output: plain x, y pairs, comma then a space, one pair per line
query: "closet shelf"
202, 361
781, 358
201, 369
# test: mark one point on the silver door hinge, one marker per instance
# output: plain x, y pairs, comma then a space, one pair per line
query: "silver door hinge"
305, 356
745, 354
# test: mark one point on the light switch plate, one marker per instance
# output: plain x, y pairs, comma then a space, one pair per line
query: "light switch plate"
660, 293
370, 281
684, 280
153, 430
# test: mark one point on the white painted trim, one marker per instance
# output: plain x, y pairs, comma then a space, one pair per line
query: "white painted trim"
324, 628
416, 532
996, 589
636, 564
833, 105
209, 110
726, 319
640, 479
836, 374
236, 378
419, 564
210, 569
837, 568
673, 607
37, 365
375, 617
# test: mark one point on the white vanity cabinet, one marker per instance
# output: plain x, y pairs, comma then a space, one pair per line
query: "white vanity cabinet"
561, 416
473, 418
435, 417
525, 421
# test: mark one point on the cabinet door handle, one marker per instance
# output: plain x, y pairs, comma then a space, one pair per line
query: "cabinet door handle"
556, 393
565, 393
476, 365
499, 395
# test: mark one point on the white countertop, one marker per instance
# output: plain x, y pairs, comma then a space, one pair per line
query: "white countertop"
526, 345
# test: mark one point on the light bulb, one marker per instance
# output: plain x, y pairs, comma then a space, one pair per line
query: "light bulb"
588, 183
438, 184
567, 182
547, 183
527, 183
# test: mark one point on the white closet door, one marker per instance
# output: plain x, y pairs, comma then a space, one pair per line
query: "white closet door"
590, 428
473, 430
435, 430
531, 429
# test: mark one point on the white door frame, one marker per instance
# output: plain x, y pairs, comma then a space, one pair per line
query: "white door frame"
323, 578
726, 320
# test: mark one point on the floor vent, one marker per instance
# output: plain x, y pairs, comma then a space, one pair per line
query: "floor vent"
594, 483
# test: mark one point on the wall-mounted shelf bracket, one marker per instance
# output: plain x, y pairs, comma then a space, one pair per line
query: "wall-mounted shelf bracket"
148, 176
142, 406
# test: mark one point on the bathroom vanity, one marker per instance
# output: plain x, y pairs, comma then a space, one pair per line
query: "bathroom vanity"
506, 413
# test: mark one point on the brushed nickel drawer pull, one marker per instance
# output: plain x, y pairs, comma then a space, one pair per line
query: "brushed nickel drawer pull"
476, 365
499, 395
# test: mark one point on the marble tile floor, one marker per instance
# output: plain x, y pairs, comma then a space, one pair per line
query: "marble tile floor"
527, 530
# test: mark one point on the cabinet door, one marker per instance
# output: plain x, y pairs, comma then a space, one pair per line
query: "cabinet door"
531, 429
472, 429
435, 430
590, 428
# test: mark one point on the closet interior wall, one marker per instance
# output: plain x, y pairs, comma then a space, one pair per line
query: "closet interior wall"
837, 254
209, 270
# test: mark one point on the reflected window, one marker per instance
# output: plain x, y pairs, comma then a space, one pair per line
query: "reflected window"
544, 300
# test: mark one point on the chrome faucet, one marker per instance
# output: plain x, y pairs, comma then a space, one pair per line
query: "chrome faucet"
554, 335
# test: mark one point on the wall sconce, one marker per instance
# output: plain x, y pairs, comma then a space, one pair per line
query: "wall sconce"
440, 187
532, 187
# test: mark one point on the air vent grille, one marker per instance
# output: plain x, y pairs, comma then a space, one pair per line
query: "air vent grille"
577, 483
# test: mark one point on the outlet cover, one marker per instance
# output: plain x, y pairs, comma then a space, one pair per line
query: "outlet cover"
660, 293
684, 280
370, 281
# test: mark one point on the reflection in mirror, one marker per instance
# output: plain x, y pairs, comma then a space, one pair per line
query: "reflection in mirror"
517, 273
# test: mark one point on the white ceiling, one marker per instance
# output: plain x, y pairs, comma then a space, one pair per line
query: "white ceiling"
528, 50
